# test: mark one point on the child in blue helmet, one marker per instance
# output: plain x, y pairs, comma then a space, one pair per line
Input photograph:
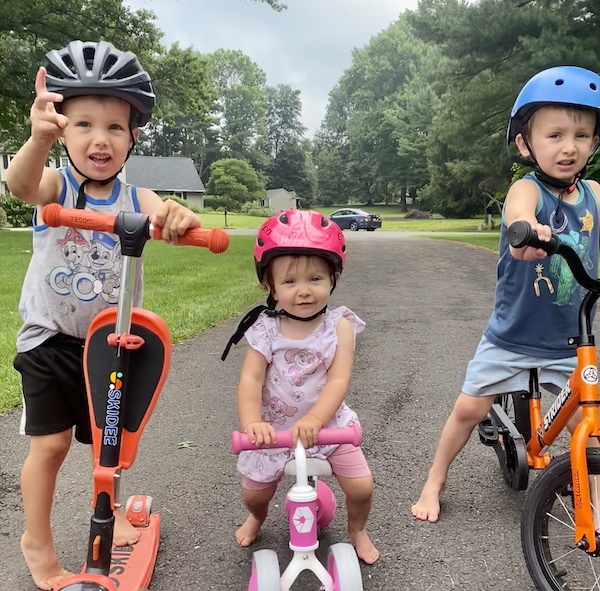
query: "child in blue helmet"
554, 124
92, 98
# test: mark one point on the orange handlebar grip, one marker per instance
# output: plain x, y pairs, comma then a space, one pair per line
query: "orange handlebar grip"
55, 215
215, 239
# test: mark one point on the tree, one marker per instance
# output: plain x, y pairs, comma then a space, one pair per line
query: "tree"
235, 181
283, 112
290, 171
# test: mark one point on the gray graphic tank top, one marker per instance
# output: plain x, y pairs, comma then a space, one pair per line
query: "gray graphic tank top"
73, 274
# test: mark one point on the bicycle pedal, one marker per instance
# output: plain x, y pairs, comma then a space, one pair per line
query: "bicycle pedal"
488, 432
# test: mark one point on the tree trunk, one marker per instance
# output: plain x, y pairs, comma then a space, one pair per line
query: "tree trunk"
403, 206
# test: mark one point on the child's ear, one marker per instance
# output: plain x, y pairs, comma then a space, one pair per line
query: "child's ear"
522, 146
135, 132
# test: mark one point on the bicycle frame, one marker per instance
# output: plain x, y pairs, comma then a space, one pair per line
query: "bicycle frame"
580, 390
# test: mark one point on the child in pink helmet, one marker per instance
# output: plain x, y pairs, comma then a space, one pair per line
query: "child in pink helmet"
298, 368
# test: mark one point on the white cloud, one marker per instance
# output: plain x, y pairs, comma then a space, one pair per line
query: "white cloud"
307, 46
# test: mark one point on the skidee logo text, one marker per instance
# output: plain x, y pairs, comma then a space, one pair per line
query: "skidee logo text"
113, 409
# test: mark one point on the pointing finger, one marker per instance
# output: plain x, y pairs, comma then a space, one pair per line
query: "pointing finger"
40, 81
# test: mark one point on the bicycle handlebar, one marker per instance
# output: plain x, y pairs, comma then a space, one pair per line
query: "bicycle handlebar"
215, 239
520, 234
352, 435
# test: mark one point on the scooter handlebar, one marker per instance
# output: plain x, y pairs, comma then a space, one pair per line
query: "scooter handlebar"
215, 239
352, 435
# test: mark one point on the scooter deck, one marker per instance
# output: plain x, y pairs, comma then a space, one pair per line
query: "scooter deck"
131, 567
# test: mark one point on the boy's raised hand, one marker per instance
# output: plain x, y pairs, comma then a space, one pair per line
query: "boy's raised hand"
46, 124
174, 219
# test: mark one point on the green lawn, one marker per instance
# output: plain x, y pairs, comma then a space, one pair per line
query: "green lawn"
191, 288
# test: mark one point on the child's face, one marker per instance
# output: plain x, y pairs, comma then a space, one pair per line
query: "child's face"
561, 140
97, 135
301, 285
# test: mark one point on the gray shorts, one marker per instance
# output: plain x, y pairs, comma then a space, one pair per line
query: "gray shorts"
494, 371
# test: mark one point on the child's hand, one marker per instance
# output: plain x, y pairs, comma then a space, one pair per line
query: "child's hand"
307, 429
174, 219
46, 124
261, 433
530, 253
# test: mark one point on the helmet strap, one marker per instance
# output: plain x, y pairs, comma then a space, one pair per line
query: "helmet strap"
81, 195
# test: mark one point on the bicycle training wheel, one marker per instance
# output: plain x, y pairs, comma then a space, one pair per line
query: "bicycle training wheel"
547, 530
265, 571
517, 409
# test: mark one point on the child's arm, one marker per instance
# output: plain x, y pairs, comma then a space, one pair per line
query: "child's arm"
27, 176
334, 392
173, 218
249, 397
521, 204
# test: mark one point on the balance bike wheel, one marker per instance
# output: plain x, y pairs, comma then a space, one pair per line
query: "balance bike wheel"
343, 566
138, 510
265, 571
326, 504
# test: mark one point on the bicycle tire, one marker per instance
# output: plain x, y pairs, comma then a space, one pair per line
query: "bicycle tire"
549, 507
517, 408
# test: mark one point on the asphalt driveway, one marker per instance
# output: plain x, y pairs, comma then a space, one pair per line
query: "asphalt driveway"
426, 304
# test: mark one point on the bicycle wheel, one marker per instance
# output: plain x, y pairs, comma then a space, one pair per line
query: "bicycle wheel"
547, 527
517, 409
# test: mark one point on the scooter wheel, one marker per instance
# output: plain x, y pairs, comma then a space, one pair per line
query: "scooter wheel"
265, 571
326, 504
343, 566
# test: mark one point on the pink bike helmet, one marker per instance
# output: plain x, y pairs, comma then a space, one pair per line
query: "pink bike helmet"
297, 232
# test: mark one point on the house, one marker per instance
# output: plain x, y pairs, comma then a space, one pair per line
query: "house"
167, 176
164, 175
279, 199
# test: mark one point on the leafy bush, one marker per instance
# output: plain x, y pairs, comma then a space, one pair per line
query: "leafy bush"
18, 213
183, 202
2, 218
217, 203
260, 212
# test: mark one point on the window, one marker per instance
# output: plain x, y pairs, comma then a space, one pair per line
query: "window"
5, 160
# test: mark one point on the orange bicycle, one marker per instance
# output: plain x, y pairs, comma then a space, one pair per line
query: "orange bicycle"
561, 518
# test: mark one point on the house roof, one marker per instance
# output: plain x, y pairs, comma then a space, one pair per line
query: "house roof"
163, 173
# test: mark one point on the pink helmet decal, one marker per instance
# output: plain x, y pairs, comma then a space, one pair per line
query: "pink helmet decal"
299, 232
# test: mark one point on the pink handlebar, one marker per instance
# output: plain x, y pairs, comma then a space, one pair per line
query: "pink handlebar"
352, 435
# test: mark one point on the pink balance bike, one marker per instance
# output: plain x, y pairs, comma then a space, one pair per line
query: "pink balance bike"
310, 507
126, 361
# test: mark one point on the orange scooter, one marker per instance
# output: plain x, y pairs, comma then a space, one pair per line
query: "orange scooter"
127, 356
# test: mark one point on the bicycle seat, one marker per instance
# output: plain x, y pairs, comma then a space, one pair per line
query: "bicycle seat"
314, 467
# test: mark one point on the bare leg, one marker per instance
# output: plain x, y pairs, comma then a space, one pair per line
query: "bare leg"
359, 496
124, 533
38, 481
468, 411
257, 502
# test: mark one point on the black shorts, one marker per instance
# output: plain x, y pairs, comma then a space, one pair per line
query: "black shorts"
54, 388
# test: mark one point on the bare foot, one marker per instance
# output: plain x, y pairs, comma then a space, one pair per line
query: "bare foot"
43, 564
125, 534
248, 532
365, 549
427, 508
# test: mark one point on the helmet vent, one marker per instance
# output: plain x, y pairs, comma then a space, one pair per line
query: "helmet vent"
88, 56
260, 242
593, 86
111, 60
559, 82
324, 222
69, 63
283, 219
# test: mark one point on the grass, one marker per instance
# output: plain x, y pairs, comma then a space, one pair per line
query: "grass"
190, 288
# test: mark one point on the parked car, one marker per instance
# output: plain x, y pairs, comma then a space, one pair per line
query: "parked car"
356, 219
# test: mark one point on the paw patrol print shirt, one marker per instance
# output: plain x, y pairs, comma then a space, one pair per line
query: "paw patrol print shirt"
296, 375
73, 274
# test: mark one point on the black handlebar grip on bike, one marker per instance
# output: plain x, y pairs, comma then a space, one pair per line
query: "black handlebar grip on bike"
520, 234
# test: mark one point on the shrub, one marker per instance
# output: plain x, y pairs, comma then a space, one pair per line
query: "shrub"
260, 212
18, 213
217, 203
2, 218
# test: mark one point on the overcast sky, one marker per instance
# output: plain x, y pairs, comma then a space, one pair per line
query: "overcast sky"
307, 46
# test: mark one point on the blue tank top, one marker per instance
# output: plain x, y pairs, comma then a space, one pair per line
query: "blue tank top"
537, 302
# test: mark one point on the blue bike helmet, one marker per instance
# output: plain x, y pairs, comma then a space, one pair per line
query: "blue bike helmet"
562, 85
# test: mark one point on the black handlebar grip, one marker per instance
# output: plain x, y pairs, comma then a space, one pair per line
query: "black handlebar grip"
520, 234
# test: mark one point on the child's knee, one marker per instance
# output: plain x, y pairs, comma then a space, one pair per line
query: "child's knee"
357, 490
257, 498
472, 409
51, 448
